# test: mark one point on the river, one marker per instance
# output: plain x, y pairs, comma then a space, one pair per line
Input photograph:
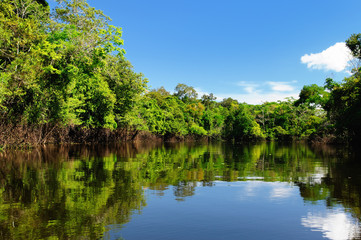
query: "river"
181, 191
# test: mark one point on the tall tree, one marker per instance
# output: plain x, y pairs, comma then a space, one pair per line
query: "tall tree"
22, 36
344, 105
313, 96
185, 93
354, 44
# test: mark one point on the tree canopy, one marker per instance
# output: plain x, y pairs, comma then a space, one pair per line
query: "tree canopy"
66, 67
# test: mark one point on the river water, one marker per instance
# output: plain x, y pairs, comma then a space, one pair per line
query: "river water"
181, 191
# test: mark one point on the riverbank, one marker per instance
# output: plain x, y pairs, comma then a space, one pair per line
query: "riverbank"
27, 136
12, 136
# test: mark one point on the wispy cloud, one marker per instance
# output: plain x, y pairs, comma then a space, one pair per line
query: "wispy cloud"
281, 86
253, 93
248, 87
335, 58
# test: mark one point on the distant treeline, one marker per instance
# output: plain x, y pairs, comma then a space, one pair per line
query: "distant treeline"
66, 69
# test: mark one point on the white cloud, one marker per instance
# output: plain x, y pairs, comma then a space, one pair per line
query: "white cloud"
281, 86
334, 58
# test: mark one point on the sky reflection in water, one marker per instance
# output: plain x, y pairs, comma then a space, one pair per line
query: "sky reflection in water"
239, 210
180, 191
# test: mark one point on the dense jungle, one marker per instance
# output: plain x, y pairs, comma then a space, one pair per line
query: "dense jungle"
64, 77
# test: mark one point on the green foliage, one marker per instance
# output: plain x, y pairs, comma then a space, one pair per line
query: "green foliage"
125, 84
354, 44
285, 120
313, 96
229, 103
344, 107
197, 130
240, 125
213, 121
209, 101
185, 93
68, 68
21, 34
344, 104
163, 116
43, 2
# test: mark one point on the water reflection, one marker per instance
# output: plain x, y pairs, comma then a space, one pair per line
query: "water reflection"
73, 192
281, 192
334, 224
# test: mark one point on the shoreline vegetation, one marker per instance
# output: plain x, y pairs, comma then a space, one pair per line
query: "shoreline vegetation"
64, 78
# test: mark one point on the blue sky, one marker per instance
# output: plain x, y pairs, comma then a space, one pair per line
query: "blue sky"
253, 51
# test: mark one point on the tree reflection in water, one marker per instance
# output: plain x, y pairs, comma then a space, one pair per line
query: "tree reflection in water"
77, 191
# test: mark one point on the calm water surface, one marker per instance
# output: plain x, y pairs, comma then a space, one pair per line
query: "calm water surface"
181, 191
